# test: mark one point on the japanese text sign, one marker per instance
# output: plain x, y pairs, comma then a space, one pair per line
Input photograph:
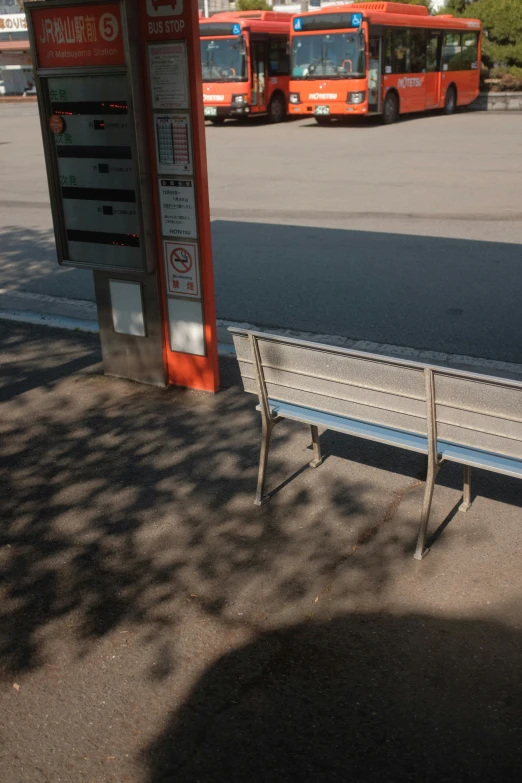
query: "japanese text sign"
78, 35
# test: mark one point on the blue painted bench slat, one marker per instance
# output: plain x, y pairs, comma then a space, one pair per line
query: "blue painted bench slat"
480, 459
361, 429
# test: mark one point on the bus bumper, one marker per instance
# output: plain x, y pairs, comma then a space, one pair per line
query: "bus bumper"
337, 109
231, 112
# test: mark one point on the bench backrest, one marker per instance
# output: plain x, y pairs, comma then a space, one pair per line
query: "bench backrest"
463, 408
346, 384
479, 413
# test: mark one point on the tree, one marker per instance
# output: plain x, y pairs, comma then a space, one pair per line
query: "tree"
252, 5
455, 7
502, 21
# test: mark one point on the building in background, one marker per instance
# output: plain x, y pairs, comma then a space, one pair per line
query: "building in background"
16, 70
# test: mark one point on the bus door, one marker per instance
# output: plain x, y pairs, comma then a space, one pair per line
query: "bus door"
258, 61
374, 73
433, 49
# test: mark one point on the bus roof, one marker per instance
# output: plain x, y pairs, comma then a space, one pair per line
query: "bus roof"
263, 21
400, 14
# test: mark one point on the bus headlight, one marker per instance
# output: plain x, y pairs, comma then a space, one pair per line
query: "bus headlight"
356, 97
294, 97
240, 100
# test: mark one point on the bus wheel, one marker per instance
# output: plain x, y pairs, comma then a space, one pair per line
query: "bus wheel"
277, 109
450, 104
217, 120
390, 110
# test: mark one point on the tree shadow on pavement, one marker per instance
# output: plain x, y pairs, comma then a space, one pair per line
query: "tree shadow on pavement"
363, 697
119, 501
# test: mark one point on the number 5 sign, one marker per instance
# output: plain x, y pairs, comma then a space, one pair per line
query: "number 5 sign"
109, 27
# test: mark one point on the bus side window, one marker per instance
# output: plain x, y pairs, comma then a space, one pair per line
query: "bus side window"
401, 51
278, 57
418, 51
451, 50
388, 51
432, 52
470, 50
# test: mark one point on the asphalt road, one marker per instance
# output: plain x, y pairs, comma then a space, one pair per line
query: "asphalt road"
409, 235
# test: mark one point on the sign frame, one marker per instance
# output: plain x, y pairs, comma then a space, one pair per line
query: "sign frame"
138, 143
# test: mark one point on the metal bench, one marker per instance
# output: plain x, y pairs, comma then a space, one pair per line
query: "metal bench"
449, 415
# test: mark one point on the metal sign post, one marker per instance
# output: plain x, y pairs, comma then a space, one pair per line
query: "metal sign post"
119, 89
176, 123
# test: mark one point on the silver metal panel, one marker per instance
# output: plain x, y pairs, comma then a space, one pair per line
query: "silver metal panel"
480, 421
348, 392
81, 131
335, 367
87, 215
243, 348
124, 355
92, 173
479, 440
480, 396
111, 255
346, 408
247, 370
109, 87
250, 385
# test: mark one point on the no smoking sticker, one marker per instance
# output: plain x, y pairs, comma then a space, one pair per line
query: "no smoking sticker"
182, 268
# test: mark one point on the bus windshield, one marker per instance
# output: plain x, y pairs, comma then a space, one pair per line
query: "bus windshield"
335, 55
224, 59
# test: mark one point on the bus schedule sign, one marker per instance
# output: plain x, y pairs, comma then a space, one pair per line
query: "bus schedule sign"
83, 35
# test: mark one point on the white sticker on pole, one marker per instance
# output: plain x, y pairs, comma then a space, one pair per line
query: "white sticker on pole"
178, 208
168, 70
173, 146
186, 328
182, 268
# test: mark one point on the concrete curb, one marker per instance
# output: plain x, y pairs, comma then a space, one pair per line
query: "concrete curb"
226, 347
497, 101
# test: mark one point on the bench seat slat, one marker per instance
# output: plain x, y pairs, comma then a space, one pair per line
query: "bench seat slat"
480, 459
405, 440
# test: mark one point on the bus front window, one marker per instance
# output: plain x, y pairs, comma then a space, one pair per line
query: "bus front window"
224, 59
335, 55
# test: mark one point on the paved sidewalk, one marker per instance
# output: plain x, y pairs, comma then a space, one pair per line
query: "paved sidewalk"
158, 627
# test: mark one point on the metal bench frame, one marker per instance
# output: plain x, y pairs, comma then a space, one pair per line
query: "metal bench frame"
437, 451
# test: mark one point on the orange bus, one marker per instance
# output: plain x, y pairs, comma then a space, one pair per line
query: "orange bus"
246, 65
381, 58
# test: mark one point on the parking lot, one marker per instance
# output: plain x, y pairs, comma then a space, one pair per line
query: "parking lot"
408, 235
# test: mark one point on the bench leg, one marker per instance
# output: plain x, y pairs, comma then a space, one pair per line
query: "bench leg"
267, 427
317, 460
420, 550
466, 495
